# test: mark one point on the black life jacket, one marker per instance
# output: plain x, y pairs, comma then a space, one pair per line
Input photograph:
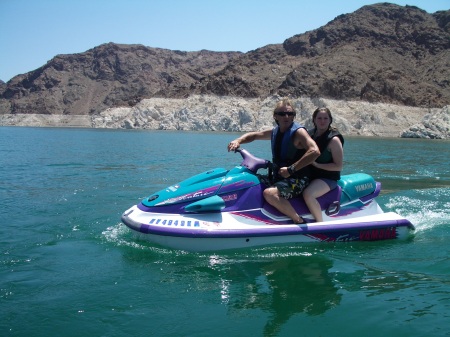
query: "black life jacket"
325, 155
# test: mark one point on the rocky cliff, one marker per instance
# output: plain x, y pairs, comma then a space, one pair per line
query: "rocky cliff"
106, 76
380, 53
434, 125
383, 54
237, 114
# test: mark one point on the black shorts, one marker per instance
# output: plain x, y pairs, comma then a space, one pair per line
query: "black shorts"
291, 187
332, 184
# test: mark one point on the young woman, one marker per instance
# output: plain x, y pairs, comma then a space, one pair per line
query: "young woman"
326, 170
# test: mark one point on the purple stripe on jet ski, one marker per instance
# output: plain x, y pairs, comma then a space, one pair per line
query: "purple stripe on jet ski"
242, 184
342, 229
372, 195
347, 210
175, 208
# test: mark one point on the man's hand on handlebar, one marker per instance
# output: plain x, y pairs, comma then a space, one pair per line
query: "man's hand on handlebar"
233, 145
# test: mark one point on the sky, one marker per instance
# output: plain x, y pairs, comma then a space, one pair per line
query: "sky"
32, 32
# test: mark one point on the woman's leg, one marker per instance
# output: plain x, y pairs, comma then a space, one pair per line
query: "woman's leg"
315, 189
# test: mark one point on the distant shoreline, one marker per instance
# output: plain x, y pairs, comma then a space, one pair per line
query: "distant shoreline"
234, 114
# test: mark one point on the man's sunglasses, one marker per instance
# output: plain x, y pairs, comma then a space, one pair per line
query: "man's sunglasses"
284, 113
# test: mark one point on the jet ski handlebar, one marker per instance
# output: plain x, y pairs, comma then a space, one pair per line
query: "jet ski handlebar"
251, 162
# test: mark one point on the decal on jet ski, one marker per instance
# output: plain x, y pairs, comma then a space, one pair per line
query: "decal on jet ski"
186, 197
229, 197
187, 223
182, 223
378, 234
364, 187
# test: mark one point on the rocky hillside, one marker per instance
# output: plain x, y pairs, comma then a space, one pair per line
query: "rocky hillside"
380, 53
107, 76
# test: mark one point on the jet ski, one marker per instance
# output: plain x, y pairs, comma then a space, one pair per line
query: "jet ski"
224, 209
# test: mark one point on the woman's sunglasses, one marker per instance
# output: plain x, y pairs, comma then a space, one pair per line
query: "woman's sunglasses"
284, 113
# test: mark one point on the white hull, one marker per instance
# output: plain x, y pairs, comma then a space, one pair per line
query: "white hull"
234, 230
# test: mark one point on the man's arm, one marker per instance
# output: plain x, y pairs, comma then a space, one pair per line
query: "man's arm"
302, 140
248, 138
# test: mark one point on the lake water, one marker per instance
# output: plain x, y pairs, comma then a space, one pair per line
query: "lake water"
70, 268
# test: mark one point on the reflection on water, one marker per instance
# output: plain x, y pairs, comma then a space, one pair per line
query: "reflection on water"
280, 282
281, 286
289, 282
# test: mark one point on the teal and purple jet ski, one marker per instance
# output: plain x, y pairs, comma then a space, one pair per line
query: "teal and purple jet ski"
225, 209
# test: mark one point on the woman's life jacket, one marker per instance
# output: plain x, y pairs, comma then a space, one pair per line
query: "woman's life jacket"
325, 154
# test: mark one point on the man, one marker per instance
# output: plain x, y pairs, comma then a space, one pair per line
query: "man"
293, 150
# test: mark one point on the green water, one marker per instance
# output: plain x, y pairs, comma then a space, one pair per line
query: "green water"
69, 268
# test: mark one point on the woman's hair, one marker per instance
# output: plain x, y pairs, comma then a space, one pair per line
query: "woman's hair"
322, 110
282, 103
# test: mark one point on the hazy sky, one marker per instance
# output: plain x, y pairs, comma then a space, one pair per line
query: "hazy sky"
32, 32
